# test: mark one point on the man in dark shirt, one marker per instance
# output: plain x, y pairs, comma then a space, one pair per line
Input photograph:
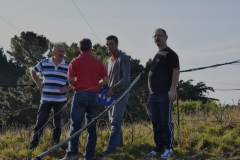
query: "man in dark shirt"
118, 68
162, 82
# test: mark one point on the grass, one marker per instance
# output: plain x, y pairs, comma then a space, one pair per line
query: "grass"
201, 135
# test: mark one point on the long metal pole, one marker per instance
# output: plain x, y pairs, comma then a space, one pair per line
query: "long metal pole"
90, 123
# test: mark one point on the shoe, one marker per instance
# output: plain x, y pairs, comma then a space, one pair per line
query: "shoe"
152, 154
167, 154
70, 158
87, 158
105, 153
33, 145
55, 143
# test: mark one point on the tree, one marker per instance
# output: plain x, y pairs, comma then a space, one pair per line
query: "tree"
148, 65
15, 101
188, 91
28, 49
9, 72
100, 52
72, 52
136, 67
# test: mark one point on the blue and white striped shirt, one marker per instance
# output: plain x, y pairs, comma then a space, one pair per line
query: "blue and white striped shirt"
54, 78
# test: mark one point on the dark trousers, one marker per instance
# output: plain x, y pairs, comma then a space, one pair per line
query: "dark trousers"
43, 116
162, 121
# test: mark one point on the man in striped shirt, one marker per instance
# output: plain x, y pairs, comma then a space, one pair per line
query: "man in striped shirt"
54, 92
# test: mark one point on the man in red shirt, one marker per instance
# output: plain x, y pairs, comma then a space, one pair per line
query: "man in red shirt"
84, 74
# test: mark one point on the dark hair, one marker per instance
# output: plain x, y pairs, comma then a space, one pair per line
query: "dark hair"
85, 44
112, 37
165, 33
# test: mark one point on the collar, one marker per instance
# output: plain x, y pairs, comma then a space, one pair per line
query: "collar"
113, 57
119, 54
50, 60
89, 53
85, 54
164, 48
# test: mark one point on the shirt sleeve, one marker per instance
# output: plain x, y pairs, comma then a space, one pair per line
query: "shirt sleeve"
38, 67
103, 71
125, 74
174, 61
72, 71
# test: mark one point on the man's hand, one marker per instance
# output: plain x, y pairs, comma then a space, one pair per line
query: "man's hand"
175, 78
39, 85
71, 81
103, 82
172, 95
110, 93
65, 89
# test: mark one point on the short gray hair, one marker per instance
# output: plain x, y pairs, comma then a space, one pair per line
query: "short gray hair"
56, 45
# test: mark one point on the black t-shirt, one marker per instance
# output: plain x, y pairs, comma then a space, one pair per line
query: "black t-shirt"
161, 71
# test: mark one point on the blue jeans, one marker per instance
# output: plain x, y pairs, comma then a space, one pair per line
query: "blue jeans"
115, 119
162, 121
43, 116
83, 102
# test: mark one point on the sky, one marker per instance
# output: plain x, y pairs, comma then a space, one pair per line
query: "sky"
202, 33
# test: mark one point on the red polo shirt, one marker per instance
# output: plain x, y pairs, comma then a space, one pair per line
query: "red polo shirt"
86, 70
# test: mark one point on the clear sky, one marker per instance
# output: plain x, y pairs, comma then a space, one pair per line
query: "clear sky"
202, 32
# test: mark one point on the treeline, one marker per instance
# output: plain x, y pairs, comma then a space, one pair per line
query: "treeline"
19, 105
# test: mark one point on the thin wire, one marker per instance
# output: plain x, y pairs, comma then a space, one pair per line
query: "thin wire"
227, 89
217, 82
87, 21
213, 66
9, 24
195, 69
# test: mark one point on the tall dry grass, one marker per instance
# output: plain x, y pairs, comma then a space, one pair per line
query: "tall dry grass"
205, 132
